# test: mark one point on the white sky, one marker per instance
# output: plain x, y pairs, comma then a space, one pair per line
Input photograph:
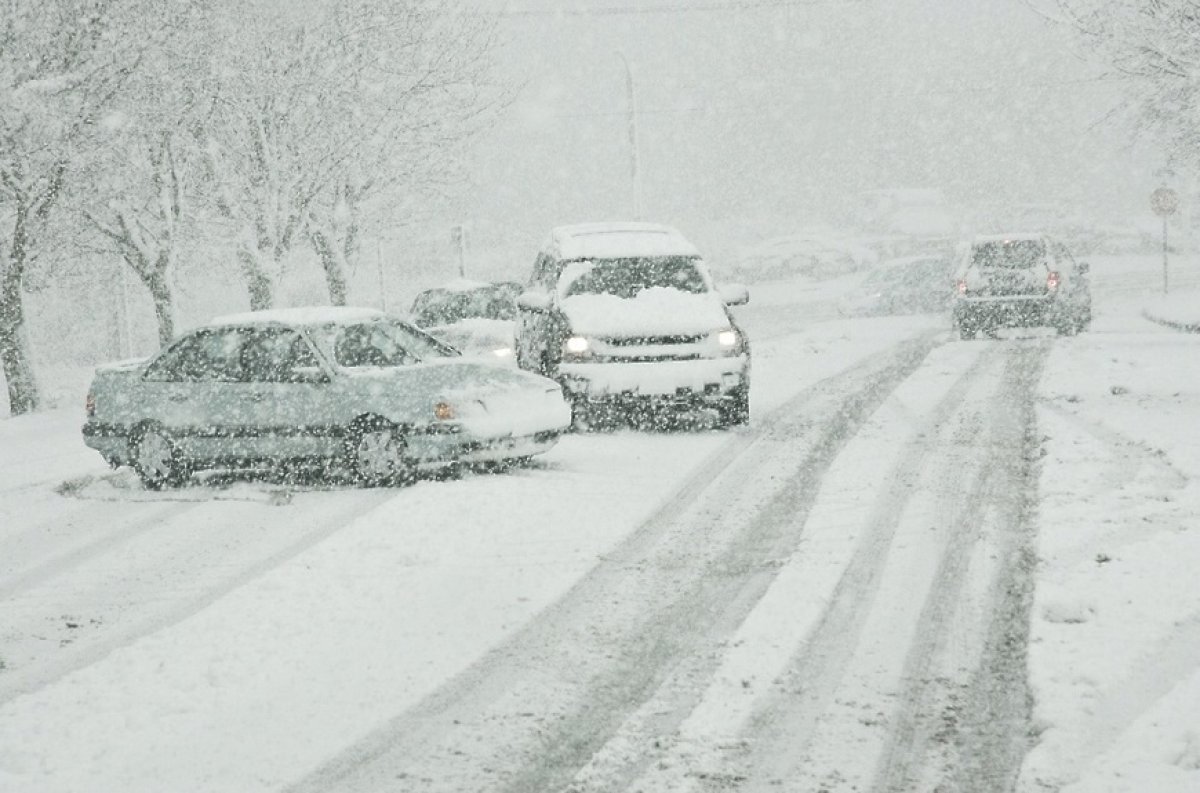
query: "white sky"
760, 117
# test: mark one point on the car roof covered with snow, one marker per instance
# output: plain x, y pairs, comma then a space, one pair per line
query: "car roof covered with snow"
305, 315
1023, 236
618, 240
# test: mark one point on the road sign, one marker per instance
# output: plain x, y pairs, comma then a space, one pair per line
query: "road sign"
1164, 201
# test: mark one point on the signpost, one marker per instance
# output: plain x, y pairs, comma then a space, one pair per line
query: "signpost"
1165, 202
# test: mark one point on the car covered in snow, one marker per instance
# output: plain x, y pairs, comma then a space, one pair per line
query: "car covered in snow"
909, 285
353, 386
627, 317
817, 254
475, 317
1007, 280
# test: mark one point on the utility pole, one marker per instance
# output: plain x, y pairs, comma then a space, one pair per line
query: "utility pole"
634, 170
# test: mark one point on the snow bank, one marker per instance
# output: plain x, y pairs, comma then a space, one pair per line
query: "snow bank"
1114, 658
1180, 310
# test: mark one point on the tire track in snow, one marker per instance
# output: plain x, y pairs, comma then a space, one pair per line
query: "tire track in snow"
770, 753
15, 682
536, 709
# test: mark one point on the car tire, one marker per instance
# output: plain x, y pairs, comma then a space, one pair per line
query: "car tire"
377, 455
156, 458
735, 411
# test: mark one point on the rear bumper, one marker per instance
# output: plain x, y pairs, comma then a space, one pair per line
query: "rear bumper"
1010, 311
111, 440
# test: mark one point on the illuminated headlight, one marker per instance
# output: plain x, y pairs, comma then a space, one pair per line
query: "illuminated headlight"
728, 339
577, 345
503, 352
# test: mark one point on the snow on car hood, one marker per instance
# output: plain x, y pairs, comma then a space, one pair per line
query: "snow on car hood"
652, 312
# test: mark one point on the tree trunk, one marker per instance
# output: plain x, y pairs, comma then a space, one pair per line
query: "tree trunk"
258, 283
335, 271
164, 306
23, 394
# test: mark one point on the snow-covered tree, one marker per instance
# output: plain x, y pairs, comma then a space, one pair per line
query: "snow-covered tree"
320, 113
143, 178
1153, 47
62, 63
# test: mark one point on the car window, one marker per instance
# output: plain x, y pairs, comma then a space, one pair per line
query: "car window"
206, 355
276, 355
380, 344
1008, 254
627, 277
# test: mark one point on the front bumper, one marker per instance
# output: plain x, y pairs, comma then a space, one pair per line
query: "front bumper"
433, 450
683, 383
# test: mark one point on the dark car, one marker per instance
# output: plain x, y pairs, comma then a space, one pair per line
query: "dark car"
1021, 280
475, 317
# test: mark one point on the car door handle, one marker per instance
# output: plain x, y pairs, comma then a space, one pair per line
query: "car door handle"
178, 397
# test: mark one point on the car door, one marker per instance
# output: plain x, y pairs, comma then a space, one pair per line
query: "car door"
288, 397
191, 391
536, 323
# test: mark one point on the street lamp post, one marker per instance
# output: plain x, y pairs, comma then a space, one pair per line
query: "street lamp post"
634, 170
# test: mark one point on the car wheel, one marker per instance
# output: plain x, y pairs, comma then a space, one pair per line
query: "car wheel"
156, 458
377, 454
735, 411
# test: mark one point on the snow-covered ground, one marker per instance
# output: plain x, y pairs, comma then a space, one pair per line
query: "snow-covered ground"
1115, 635
241, 634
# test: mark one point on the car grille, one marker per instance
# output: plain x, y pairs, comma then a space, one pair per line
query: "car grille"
653, 341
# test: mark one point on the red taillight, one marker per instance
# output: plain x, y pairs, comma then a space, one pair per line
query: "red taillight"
962, 286
1052, 280
90, 405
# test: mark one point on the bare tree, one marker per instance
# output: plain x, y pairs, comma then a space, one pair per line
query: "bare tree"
1153, 47
62, 62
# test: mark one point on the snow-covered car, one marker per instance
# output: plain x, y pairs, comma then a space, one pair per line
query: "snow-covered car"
475, 317
911, 285
627, 318
815, 254
353, 386
1011, 280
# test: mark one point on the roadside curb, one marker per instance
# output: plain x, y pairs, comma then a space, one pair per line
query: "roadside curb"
1183, 327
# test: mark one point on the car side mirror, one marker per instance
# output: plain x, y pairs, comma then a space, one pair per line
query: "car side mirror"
534, 301
1084, 268
734, 294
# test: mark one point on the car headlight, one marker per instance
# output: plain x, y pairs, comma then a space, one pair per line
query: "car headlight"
443, 411
728, 339
577, 345
503, 352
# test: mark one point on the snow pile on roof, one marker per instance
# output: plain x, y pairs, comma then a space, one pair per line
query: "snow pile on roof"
306, 315
618, 241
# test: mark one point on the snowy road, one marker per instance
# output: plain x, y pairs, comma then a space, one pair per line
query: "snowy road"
838, 597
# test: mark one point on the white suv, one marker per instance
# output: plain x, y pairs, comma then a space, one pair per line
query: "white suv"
626, 317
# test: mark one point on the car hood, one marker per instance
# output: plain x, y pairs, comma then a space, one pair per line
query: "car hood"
652, 312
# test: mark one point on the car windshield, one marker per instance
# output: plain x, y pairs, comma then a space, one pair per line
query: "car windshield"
381, 343
627, 277
1009, 254
445, 307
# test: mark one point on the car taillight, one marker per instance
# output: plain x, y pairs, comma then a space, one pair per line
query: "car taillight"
962, 286
1052, 280
89, 405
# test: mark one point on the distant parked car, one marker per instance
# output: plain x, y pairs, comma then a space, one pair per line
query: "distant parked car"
912, 285
1021, 280
627, 318
816, 254
475, 317
349, 385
